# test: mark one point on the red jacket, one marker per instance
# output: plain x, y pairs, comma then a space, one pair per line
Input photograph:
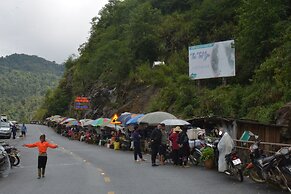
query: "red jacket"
174, 139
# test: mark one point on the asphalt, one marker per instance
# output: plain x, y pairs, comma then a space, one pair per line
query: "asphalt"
79, 168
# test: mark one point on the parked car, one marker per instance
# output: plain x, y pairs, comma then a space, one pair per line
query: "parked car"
5, 130
11, 123
34, 122
4, 118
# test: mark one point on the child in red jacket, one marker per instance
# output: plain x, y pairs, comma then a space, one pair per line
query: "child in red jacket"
42, 146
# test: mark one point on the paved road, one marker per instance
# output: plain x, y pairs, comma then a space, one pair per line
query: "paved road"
79, 168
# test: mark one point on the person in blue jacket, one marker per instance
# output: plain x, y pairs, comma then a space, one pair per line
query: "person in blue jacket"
23, 130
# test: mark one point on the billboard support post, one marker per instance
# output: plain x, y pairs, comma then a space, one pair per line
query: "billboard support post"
198, 84
224, 81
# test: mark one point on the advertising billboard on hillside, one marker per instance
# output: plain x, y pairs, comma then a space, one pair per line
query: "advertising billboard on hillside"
82, 103
212, 60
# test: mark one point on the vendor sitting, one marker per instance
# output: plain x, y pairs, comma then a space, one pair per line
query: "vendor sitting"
200, 142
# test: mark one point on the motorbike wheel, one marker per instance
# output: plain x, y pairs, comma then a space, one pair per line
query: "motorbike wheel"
239, 175
281, 180
255, 176
194, 158
16, 161
12, 160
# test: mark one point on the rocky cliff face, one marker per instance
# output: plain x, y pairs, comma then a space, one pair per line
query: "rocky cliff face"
107, 100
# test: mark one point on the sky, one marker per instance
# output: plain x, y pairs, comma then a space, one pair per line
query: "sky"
52, 29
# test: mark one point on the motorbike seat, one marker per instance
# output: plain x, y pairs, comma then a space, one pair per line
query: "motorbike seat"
267, 159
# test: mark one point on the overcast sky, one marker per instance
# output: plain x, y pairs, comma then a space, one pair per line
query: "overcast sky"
52, 29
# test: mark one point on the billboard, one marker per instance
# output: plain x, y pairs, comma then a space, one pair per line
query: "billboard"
212, 60
82, 103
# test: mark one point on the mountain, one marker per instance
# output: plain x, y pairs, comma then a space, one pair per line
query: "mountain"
114, 68
24, 80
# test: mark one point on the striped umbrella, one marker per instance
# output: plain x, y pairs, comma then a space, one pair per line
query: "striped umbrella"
101, 122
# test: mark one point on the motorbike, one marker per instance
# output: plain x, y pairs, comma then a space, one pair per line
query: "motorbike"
3, 155
196, 152
232, 160
13, 154
274, 169
4, 162
234, 166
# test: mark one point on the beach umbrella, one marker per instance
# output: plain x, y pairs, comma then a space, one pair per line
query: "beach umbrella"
85, 122
66, 120
126, 118
56, 118
49, 118
73, 123
101, 122
155, 118
173, 122
134, 120
123, 115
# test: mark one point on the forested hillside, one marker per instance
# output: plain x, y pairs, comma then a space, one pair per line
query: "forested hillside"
24, 80
115, 64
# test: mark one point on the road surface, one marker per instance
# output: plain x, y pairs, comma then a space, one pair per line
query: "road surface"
79, 168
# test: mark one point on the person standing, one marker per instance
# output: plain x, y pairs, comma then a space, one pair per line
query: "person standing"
42, 146
156, 138
136, 144
163, 146
224, 147
175, 146
14, 130
23, 130
184, 150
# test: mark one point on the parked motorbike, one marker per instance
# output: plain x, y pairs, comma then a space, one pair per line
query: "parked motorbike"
13, 154
4, 162
196, 152
3, 155
275, 169
234, 166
